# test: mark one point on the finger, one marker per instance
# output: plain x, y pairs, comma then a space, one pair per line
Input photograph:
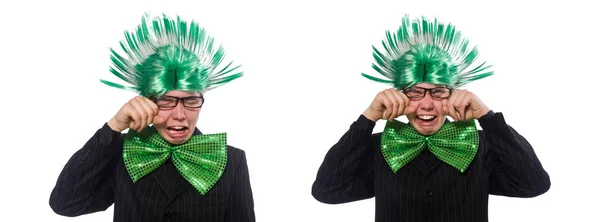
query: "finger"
398, 103
138, 119
467, 108
384, 114
147, 108
465, 105
450, 107
133, 118
132, 125
158, 120
401, 103
469, 114
387, 106
445, 106
137, 103
139, 123
452, 113
152, 105
394, 103
459, 115
155, 119
457, 105
410, 110
148, 114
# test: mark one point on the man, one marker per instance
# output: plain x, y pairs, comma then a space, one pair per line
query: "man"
168, 171
430, 169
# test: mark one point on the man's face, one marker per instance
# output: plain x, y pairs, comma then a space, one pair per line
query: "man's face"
180, 121
429, 116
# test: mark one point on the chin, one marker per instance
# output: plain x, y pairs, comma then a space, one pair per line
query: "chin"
173, 141
426, 132
177, 142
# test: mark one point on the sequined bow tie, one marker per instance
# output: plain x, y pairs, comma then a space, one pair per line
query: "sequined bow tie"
201, 160
455, 143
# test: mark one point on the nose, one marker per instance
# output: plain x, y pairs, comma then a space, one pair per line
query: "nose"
426, 102
177, 113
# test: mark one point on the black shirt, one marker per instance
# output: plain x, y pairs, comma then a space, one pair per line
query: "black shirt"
428, 189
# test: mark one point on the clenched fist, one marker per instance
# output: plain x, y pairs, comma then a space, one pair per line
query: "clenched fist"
388, 104
464, 105
136, 114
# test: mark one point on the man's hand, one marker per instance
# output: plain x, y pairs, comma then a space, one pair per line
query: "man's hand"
136, 114
464, 105
388, 104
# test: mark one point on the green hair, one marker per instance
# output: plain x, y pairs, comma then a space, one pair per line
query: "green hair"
427, 52
164, 55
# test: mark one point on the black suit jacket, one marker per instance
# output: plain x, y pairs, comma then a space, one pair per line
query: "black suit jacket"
95, 177
428, 189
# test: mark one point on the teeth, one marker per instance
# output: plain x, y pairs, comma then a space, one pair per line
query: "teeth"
426, 117
177, 127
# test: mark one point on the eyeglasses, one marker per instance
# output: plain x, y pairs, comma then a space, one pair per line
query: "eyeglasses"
170, 102
437, 93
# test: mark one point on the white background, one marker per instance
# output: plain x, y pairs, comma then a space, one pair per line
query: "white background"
301, 90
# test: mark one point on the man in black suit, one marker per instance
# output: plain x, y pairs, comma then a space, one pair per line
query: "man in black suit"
430, 169
163, 168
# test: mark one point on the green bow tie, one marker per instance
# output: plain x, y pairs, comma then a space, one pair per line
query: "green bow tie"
456, 144
201, 160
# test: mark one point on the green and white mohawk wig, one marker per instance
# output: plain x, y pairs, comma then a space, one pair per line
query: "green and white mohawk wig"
427, 52
165, 54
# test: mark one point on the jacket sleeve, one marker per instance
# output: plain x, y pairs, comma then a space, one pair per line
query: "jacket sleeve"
86, 183
346, 173
515, 170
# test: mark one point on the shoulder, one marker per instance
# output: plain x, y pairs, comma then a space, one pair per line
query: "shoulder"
236, 155
235, 151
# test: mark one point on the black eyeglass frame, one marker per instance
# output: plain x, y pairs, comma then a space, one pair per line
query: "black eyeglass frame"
182, 99
428, 90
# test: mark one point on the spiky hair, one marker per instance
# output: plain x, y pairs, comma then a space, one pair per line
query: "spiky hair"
165, 54
425, 51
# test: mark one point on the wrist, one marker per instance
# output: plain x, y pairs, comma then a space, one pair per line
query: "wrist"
484, 112
112, 123
368, 115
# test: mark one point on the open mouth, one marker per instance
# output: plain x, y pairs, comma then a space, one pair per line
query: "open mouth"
177, 131
426, 118
177, 128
